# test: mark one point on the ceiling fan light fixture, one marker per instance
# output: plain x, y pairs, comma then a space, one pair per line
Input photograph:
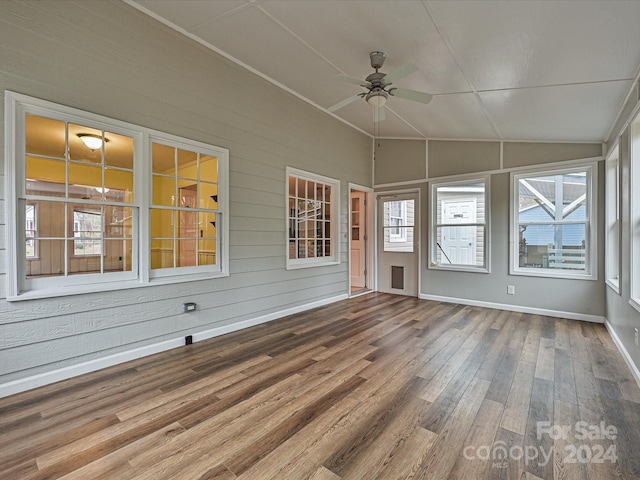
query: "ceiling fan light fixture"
377, 98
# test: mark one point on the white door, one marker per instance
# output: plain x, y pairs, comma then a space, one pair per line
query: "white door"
398, 243
358, 237
459, 243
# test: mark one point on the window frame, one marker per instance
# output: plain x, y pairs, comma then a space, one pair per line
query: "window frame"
18, 287
222, 238
334, 258
634, 224
433, 225
591, 224
612, 220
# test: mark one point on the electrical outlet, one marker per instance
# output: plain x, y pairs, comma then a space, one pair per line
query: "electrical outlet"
189, 307
636, 330
188, 340
511, 290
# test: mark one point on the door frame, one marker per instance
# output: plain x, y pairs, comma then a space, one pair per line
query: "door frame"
417, 232
370, 244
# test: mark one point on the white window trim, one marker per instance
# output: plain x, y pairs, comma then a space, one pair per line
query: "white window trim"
433, 186
15, 106
591, 270
634, 224
612, 216
334, 259
222, 236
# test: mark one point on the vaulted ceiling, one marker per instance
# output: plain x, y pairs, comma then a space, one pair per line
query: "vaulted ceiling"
509, 70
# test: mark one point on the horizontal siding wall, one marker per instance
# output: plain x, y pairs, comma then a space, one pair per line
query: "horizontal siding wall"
110, 59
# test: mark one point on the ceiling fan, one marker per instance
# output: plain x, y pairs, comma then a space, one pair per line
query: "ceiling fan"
377, 85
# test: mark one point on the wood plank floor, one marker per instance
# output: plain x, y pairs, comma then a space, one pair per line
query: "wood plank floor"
376, 387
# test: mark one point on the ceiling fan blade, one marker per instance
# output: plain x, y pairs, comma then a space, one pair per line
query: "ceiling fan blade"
414, 95
344, 103
378, 114
400, 72
346, 78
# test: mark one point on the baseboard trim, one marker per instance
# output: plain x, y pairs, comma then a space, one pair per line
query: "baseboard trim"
65, 373
623, 351
216, 332
516, 308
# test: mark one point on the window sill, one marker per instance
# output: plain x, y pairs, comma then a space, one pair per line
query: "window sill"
109, 287
458, 268
549, 273
296, 266
635, 303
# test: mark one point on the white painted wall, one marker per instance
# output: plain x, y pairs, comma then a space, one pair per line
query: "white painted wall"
108, 58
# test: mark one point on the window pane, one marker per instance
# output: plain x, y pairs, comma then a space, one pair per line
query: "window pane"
162, 253
78, 150
50, 261
87, 231
311, 248
206, 251
118, 221
186, 252
208, 168
460, 203
207, 225
187, 224
118, 151
302, 248
31, 231
402, 241
164, 190
164, 160
46, 177
553, 197
51, 219
464, 245
162, 223
119, 185
188, 193
327, 211
399, 213
45, 136
561, 247
187, 164
83, 176
117, 257
302, 188
208, 196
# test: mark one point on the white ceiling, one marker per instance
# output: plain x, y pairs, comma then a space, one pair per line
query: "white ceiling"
509, 70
